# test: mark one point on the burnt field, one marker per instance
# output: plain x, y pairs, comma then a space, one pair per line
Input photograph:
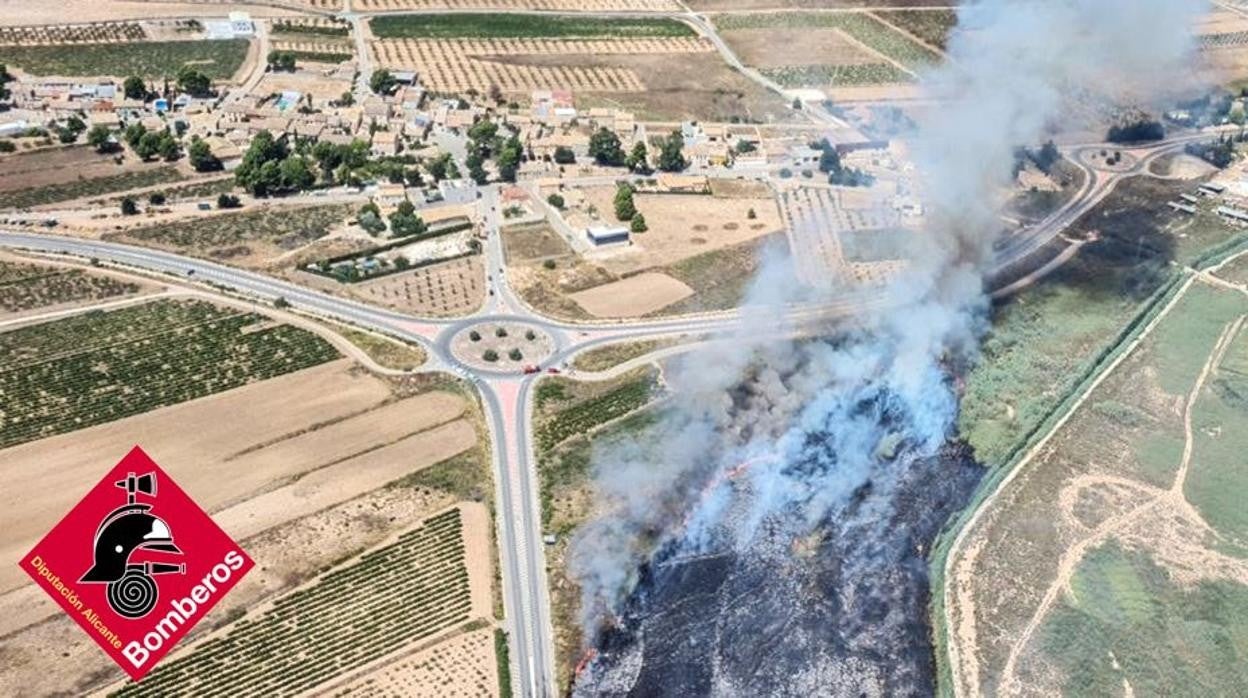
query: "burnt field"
842, 610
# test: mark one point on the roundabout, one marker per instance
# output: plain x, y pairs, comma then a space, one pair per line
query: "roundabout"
500, 345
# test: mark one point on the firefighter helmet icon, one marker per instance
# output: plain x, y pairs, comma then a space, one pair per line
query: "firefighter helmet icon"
131, 591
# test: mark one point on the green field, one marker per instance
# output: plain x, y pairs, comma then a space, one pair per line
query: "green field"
1167, 639
404, 592
579, 415
863, 27
29, 286
218, 59
841, 75
100, 366
506, 26
228, 235
931, 26
96, 186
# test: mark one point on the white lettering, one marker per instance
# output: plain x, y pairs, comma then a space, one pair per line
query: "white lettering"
135, 653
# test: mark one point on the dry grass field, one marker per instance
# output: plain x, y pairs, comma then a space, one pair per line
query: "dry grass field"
447, 289
1116, 559
681, 226
461, 667
64, 173
634, 296
514, 5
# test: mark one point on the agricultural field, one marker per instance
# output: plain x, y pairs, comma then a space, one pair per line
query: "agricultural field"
1118, 549
456, 65
219, 59
102, 366
633, 296
533, 242
62, 174
447, 289
304, 470
628, 64
932, 27
864, 50
62, 34
576, 409
520, 26
519, 5
401, 593
250, 238
461, 666
26, 287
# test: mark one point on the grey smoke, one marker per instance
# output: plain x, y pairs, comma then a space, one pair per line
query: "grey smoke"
816, 419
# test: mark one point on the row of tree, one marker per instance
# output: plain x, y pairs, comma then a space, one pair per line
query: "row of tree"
607, 150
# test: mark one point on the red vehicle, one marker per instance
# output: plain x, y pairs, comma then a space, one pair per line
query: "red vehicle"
552, 369
531, 369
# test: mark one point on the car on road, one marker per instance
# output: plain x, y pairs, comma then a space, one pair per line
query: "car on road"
531, 369
552, 369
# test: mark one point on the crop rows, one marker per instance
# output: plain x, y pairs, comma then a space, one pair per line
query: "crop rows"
29, 286
1230, 40
407, 591
865, 28
65, 191
60, 34
594, 412
317, 51
505, 5
516, 26
312, 25
456, 65
931, 26
102, 366
839, 75
216, 58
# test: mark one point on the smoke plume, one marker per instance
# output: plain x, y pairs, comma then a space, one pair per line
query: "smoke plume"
768, 434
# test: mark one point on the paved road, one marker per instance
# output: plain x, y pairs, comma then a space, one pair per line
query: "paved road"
506, 396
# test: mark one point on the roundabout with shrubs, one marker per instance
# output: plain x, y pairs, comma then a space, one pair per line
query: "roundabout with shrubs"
502, 345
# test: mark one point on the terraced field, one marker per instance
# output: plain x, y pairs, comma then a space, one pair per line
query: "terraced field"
98, 367
26, 286
406, 591
93, 186
930, 26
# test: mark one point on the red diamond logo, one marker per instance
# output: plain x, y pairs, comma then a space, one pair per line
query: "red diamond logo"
136, 563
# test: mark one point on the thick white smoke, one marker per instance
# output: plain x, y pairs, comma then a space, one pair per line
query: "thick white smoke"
767, 432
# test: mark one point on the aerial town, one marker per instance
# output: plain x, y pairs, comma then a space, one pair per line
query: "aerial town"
625, 347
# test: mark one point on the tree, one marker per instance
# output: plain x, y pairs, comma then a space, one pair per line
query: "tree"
372, 223
829, 159
624, 207
156, 198
671, 159
564, 155
751, 214
134, 88
638, 159
549, 264
476, 168
405, 223
509, 159
638, 224
515, 355
282, 60
281, 303
382, 82
483, 132
194, 82
797, 104
556, 201
437, 167
474, 336
347, 99
1047, 157
5, 78
133, 134
490, 355
296, 174
129, 207
500, 332
199, 154
228, 201
260, 170
167, 146
604, 148
148, 145
496, 94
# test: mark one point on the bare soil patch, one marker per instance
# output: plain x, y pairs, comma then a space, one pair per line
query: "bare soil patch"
633, 297
779, 47
447, 289
61, 165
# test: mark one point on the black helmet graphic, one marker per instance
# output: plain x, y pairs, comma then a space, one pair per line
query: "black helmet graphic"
132, 592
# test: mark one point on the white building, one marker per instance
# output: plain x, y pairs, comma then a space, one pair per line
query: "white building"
604, 235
